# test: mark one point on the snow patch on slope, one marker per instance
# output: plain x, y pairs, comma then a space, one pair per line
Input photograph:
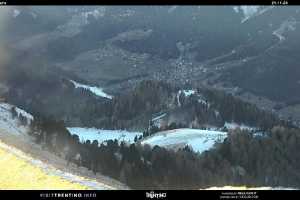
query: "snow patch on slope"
16, 13
156, 120
233, 125
236, 9
251, 11
95, 90
159, 117
288, 25
199, 140
78, 21
256, 132
189, 92
186, 93
11, 124
95, 13
102, 136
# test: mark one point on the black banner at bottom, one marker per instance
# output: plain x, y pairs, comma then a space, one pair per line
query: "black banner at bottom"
143, 194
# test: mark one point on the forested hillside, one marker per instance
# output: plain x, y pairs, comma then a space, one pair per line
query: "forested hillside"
268, 157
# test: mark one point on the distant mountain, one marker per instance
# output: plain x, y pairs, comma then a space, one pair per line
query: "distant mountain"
249, 48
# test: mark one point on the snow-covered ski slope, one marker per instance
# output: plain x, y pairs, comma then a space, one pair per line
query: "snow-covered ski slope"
199, 140
102, 135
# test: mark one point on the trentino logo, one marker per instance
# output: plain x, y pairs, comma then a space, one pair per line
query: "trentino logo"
157, 195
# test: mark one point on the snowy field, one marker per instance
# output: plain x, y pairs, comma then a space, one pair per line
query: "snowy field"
103, 135
198, 140
93, 89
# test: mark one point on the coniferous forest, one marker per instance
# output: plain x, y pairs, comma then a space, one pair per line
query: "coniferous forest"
244, 158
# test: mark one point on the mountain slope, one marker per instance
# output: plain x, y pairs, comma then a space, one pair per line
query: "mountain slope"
28, 166
18, 173
249, 47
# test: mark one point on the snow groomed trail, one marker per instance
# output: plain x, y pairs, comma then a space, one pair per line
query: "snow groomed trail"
199, 140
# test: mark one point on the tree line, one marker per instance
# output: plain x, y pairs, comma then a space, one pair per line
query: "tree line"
242, 159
